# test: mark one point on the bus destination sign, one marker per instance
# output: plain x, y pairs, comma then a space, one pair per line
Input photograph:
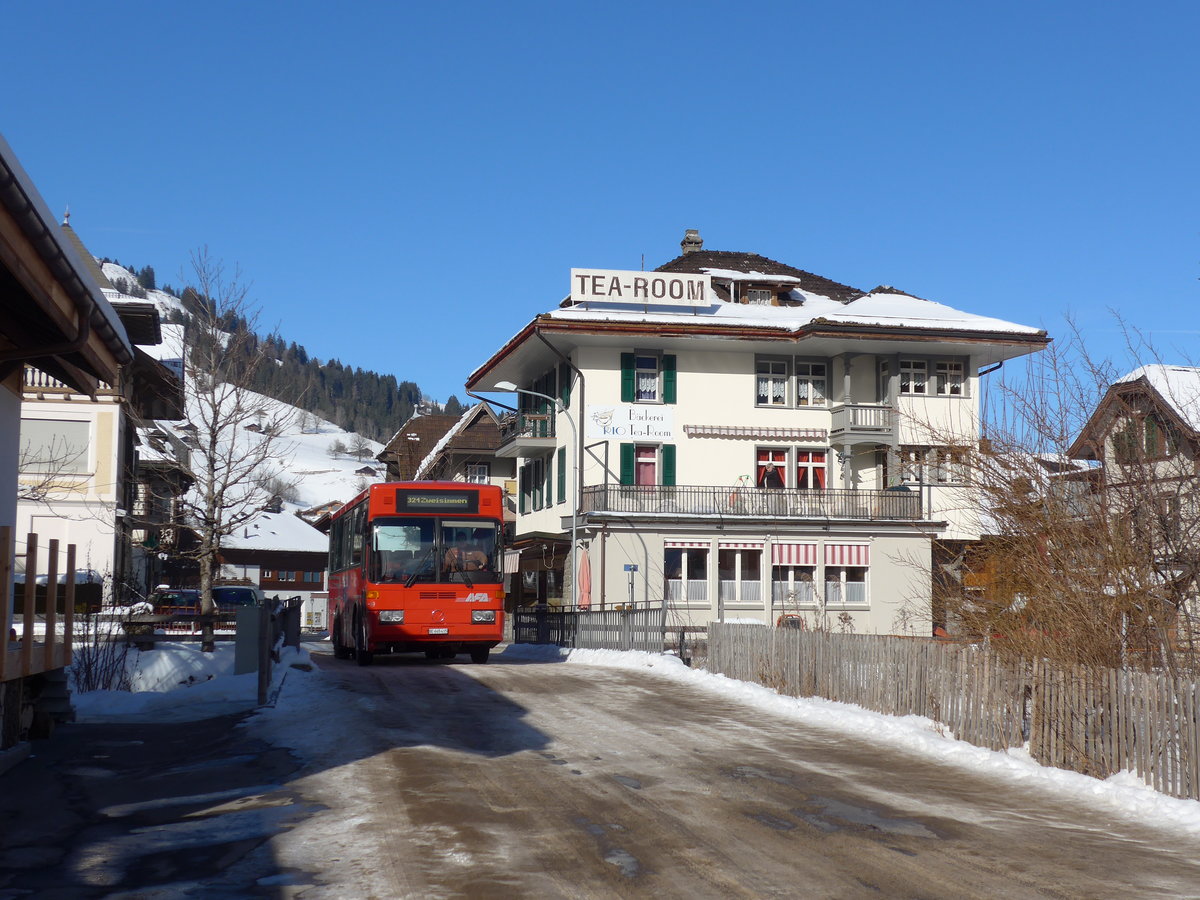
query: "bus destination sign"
437, 501
655, 288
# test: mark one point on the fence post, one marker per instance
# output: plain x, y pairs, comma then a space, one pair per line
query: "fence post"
264, 652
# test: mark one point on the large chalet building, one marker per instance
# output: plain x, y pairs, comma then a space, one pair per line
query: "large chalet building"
750, 440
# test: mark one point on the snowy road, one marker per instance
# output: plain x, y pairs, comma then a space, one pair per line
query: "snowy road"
539, 779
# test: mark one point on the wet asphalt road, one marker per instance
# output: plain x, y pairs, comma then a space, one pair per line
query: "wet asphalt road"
520, 779
553, 780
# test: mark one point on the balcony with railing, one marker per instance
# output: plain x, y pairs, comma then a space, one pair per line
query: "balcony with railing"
35, 381
526, 433
734, 502
862, 420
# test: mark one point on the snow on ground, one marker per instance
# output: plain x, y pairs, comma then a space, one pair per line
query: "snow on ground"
302, 696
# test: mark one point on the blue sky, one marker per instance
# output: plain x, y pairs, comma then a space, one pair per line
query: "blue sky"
406, 185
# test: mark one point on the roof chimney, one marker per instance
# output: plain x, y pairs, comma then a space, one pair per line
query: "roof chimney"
691, 241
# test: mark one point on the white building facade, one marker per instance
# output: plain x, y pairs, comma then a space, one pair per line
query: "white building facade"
745, 440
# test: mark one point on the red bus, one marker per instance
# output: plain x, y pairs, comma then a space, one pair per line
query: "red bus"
417, 566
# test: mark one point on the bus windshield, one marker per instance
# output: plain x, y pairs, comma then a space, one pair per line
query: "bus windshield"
427, 550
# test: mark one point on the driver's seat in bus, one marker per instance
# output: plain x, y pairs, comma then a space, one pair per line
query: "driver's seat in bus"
392, 566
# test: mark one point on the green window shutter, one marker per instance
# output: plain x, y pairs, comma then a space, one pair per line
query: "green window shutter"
562, 474
523, 489
564, 384
627, 464
668, 464
627, 378
668, 379
549, 484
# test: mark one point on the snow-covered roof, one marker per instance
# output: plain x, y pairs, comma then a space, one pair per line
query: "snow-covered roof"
879, 308
752, 275
882, 307
1179, 386
277, 531
454, 429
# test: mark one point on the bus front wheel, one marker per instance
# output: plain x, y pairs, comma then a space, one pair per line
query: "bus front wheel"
479, 655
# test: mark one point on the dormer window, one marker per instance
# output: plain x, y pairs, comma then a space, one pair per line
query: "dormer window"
757, 297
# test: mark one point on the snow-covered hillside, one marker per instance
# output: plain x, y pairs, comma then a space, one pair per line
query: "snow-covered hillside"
304, 463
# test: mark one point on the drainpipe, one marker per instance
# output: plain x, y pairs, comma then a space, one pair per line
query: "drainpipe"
578, 500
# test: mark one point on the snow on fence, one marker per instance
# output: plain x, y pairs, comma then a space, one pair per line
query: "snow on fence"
1098, 722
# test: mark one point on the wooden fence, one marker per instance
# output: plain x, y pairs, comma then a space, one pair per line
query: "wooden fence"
29, 656
1098, 722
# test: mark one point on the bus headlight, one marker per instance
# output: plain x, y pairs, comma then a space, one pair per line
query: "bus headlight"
391, 617
483, 617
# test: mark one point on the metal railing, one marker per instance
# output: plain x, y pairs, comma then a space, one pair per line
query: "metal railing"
751, 502
608, 629
526, 425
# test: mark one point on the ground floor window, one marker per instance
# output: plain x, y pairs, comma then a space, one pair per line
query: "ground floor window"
793, 587
845, 586
739, 575
686, 569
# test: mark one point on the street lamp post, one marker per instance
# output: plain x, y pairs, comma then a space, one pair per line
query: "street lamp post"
559, 407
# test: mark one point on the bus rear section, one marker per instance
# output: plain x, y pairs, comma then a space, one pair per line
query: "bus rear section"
417, 568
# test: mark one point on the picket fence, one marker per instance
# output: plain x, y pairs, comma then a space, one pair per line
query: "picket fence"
1097, 722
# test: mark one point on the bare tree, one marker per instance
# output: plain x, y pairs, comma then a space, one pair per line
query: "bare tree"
228, 461
48, 465
1088, 486
359, 447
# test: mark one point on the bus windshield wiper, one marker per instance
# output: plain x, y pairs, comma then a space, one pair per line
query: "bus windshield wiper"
408, 582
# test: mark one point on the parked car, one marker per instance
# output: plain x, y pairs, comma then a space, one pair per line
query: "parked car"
230, 597
185, 599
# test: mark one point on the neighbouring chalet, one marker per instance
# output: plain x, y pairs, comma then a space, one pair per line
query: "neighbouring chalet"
285, 556
468, 452
1143, 439
738, 438
54, 318
80, 481
412, 443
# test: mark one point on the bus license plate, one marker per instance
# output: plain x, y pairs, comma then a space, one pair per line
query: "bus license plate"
439, 630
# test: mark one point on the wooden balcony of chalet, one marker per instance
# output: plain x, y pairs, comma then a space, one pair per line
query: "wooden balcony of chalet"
525, 434
862, 421
751, 503
46, 387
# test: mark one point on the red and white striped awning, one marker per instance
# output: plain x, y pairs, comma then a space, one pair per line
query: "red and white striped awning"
794, 554
847, 554
675, 545
756, 432
512, 562
739, 545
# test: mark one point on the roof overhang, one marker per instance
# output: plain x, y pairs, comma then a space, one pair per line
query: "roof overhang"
52, 313
520, 358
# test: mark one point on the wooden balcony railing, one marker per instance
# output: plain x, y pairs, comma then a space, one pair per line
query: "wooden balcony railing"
872, 418
35, 380
752, 502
